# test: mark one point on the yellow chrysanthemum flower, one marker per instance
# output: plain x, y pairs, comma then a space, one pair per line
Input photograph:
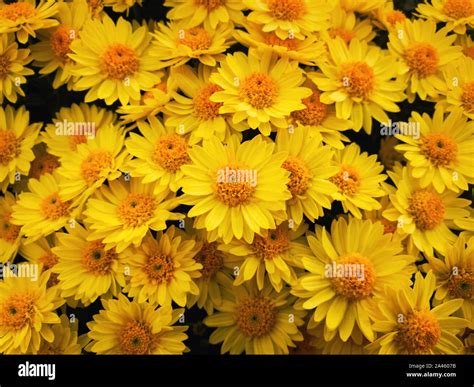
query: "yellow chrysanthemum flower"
9, 233
27, 313
121, 5
457, 14
236, 190
327, 342
467, 44
118, 65
444, 152
423, 53
347, 269
387, 17
130, 328
96, 8
388, 155
66, 341
25, 17
260, 89
359, 80
410, 326
347, 26
43, 162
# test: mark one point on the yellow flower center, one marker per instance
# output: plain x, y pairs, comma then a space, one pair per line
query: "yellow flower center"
461, 285
272, 39
422, 58
43, 164
389, 227
171, 152
53, 208
49, 259
96, 259
458, 9
119, 62
358, 279
60, 41
299, 176
469, 51
209, 4
196, 38
211, 259
273, 244
8, 232
346, 35
159, 268
204, 108
256, 316
94, 166
439, 149
233, 193
4, 66
419, 332
259, 90
347, 180
315, 111
17, 11
287, 9
467, 96
136, 338
9, 146
395, 17
136, 209
426, 208
357, 79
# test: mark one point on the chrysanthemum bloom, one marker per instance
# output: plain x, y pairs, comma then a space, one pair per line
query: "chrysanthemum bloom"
12, 68
163, 270
361, 6
467, 44
65, 339
327, 342
175, 43
422, 212
24, 17
43, 162
26, 312
455, 276
51, 53
457, 14
423, 53
209, 12
130, 328
260, 89
96, 8
443, 153
410, 326
75, 125
347, 26
358, 182
121, 213
388, 155
236, 190
277, 253
118, 65
387, 17
310, 165
359, 80
121, 5
290, 18
17, 137
309, 51
9, 233
346, 270
257, 322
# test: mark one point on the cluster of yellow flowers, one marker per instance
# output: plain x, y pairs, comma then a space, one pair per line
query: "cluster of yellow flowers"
216, 161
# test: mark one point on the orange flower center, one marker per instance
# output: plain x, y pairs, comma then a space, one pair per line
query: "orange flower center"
346, 35
259, 90
9, 146
17, 11
256, 316
196, 38
43, 164
136, 338
315, 111
204, 108
395, 16
96, 259
347, 180
209, 4
419, 332
439, 149
273, 40
49, 260
60, 41
211, 259
422, 58
17, 311
136, 209
4, 66
233, 193
53, 208
458, 9
426, 208
289, 10
299, 176
119, 62
461, 285
75, 140
357, 79
389, 227
8, 232
96, 165
469, 51
159, 268
273, 244
467, 96
171, 152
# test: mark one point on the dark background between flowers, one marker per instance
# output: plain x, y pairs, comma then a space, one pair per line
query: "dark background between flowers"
43, 102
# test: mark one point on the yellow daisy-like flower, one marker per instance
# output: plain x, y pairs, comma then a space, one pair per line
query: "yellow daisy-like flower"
236, 190
358, 181
176, 43
457, 14
422, 213
347, 26
310, 165
12, 68
121, 213
130, 328
209, 12
96, 8
25, 17
361, 6
66, 341
51, 53
43, 210
257, 322
118, 65
410, 326
17, 137
388, 155
387, 17
259, 88
290, 18
27, 313
43, 162
359, 80
85, 269
163, 270
443, 154
423, 53
327, 342
121, 5
467, 45
9, 233
347, 269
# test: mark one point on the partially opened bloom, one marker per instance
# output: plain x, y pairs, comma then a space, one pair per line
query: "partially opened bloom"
40, 253
121, 5
347, 26
9, 233
457, 14
66, 341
